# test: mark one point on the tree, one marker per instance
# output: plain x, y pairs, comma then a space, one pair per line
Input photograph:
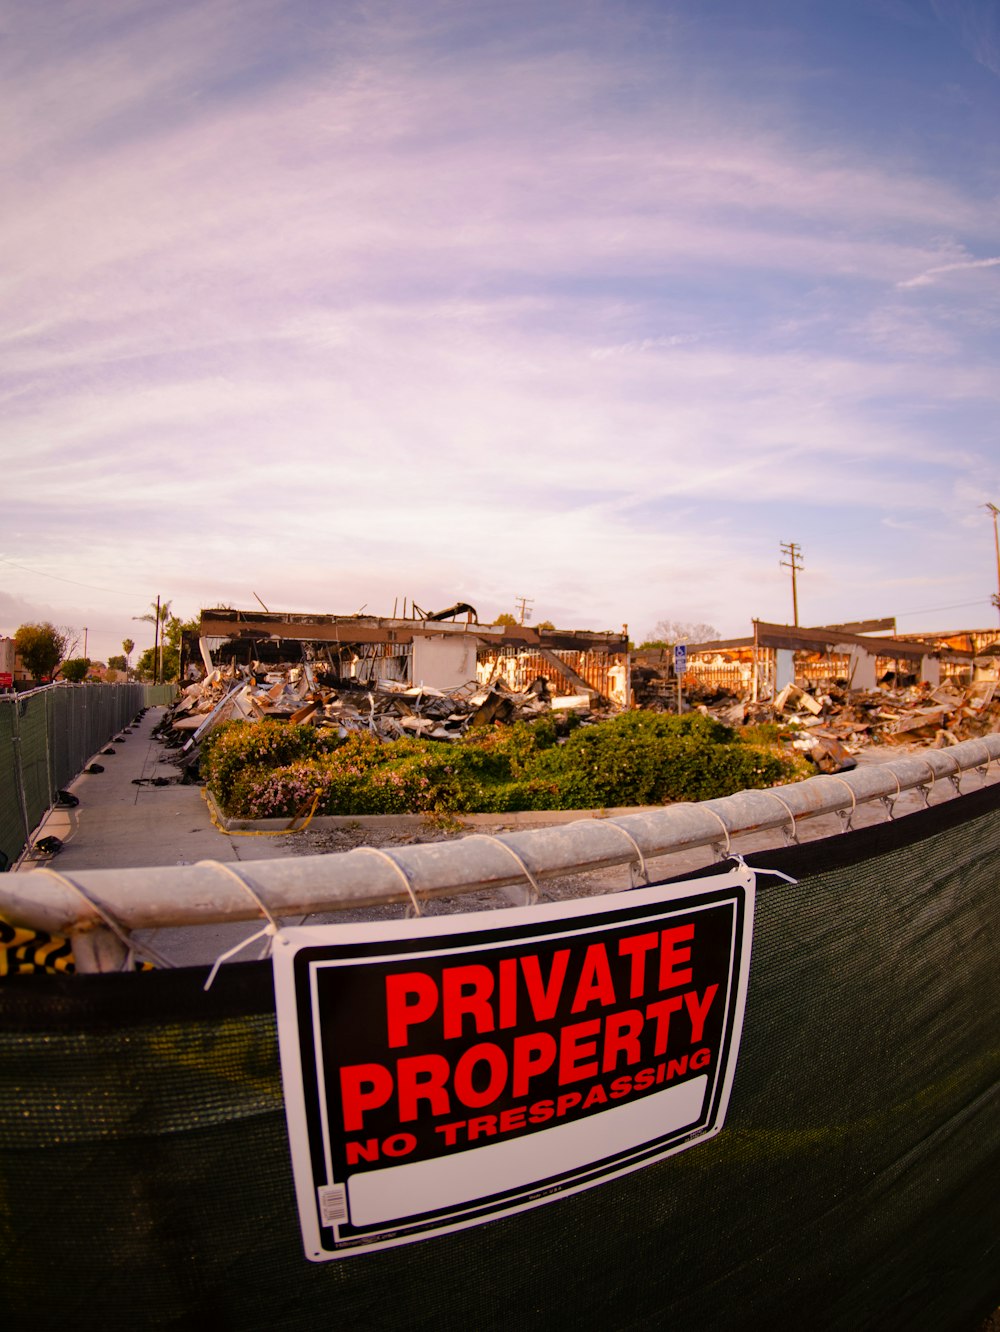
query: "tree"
158, 615
117, 663
505, 618
127, 647
41, 647
668, 632
170, 650
545, 624
75, 669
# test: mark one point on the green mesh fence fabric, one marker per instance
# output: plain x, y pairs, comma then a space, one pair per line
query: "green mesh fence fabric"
47, 737
145, 1178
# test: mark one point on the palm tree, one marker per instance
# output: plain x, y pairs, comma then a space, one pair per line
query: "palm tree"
127, 647
159, 613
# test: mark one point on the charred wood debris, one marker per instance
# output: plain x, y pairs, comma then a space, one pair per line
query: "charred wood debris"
829, 724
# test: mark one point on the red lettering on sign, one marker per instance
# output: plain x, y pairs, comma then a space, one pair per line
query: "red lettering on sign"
483, 1127
495, 1060
566, 1102
573, 1047
671, 956
636, 948
422, 1078
410, 997
450, 1131
361, 1151
595, 983
513, 1119
400, 1144
660, 1013
698, 1010
544, 997
508, 992
533, 1055
363, 1087
621, 1036
467, 991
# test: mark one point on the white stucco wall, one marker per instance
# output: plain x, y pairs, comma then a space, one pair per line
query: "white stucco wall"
443, 663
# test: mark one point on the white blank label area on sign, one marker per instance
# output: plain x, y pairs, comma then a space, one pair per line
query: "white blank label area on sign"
379, 1196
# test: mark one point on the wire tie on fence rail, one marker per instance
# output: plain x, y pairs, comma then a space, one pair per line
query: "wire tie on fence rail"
794, 836
926, 787
889, 801
638, 865
488, 837
854, 802
123, 936
956, 777
984, 768
720, 855
271, 929
384, 855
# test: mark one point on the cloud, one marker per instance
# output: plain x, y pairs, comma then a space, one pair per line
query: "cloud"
334, 305
927, 277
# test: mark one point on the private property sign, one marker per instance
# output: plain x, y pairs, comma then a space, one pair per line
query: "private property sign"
445, 1071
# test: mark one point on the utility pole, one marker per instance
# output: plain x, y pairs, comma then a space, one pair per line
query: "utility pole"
84, 642
996, 542
522, 603
794, 553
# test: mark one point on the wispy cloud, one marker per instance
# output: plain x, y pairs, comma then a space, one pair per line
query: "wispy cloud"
344, 303
929, 275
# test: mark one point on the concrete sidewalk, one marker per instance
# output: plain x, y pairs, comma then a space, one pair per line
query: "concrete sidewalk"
121, 825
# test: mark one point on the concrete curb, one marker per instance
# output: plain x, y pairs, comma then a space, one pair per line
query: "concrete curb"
527, 818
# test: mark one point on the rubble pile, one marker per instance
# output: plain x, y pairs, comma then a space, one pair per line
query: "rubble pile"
832, 726
387, 708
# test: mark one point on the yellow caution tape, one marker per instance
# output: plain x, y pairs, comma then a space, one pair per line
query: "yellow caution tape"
258, 832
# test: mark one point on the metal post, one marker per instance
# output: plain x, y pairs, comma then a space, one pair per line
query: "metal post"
996, 542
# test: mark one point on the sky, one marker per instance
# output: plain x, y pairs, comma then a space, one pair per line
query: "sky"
596, 303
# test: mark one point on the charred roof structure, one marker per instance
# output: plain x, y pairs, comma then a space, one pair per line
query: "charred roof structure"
429, 648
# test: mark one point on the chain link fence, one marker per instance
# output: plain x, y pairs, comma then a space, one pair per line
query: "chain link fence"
47, 737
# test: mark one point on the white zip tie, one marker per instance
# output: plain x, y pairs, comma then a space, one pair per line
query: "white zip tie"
123, 936
725, 828
889, 801
271, 929
854, 801
756, 869
641, 864
536, 892
795, 832
384, 855
926, 787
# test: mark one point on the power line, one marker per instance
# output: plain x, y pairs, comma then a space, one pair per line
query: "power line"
127, 592
928, 610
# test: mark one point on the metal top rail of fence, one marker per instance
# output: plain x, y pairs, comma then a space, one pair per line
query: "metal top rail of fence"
103, 907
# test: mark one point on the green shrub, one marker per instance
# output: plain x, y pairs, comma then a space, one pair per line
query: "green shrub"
272, 770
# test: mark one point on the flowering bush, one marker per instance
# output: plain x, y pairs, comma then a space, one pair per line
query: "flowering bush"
267, 769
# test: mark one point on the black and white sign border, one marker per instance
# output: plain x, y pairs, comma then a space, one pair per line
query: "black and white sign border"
301, 952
